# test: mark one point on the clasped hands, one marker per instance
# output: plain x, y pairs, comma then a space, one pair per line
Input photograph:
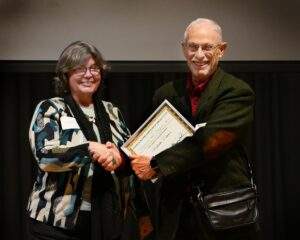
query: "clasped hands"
110, 158
107, 155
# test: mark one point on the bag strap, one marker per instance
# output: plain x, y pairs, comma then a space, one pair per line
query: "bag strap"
249, 168
198, 194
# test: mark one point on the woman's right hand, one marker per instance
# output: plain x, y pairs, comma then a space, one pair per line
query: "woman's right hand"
108, 156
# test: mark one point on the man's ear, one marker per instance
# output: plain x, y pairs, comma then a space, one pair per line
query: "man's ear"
222, 48
184, 50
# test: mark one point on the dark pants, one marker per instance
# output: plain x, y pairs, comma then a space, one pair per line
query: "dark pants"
40, 231
188, 227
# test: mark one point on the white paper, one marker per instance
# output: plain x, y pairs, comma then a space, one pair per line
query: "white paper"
200, 125
164, 128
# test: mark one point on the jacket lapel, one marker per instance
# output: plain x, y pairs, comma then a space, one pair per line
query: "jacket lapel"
182, 103
208, 93
181, 100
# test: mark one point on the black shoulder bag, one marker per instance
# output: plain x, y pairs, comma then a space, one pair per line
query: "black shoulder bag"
230, 209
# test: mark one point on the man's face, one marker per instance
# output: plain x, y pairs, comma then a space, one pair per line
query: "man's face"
202, 49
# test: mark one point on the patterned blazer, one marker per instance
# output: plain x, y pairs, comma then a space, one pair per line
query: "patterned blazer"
63, 161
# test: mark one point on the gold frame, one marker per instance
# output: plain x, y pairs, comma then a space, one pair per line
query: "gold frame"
164, 109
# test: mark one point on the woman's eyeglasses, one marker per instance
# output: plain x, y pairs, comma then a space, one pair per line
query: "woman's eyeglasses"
81, 71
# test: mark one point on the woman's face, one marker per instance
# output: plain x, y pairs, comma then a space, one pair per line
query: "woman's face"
85, 79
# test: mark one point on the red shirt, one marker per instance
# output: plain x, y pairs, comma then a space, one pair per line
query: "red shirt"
194, 93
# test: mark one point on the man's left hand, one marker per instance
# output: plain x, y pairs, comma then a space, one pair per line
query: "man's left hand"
141, 166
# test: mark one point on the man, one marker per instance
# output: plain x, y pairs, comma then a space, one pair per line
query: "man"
214, 158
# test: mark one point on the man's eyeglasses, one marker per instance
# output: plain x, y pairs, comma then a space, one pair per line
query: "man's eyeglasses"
205, 48
81, 71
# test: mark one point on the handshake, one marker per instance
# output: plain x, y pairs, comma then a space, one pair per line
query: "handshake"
107, 155
110, 158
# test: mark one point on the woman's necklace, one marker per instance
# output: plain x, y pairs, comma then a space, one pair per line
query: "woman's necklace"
89, 112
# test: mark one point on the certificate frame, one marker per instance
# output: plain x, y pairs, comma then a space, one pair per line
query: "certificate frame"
148, 133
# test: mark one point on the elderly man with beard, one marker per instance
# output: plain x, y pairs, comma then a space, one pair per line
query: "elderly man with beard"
215, 157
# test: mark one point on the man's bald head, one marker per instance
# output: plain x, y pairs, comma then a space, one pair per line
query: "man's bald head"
203, 22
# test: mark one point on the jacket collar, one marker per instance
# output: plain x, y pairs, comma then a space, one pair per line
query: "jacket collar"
182, 102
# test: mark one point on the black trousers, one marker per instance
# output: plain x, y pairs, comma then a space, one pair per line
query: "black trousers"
40, 231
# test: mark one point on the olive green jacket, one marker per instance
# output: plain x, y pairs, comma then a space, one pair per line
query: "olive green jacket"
215, 157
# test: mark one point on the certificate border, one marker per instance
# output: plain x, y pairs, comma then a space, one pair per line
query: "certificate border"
164, 106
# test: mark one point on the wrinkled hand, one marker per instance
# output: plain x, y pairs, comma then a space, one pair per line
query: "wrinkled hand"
116, 153
141, 166
107, 155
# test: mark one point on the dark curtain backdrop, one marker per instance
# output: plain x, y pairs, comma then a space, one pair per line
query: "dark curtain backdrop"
273, 150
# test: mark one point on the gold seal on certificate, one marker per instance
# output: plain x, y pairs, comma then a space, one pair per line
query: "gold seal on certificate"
164, 128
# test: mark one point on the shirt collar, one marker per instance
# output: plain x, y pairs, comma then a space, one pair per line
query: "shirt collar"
195, 90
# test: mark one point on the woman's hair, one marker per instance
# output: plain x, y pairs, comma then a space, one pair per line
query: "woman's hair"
72, 57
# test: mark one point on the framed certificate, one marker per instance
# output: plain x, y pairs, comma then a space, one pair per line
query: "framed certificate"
164, 128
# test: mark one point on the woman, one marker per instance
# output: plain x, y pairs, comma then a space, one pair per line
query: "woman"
79, 189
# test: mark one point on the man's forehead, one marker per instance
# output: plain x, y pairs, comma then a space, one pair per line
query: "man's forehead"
203, 32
